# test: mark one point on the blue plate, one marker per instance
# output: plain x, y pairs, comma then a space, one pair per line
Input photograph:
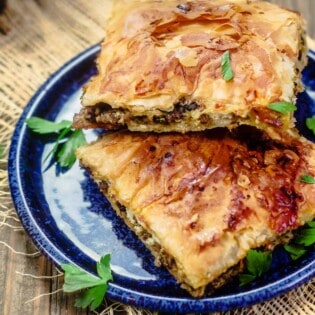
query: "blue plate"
71, 222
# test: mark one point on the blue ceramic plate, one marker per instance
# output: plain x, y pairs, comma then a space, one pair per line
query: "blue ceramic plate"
71, 222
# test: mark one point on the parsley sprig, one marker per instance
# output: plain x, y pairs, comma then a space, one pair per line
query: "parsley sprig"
257, 263
66, 142
226, 67
78, 279
310, 123
303, 239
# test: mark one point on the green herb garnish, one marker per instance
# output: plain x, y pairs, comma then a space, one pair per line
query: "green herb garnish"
303, 239
66, 156
295, 251
226, 68
257, 263
43, 126
310, 123
67, 141
283, 107
306, 236
78, 279
307, 179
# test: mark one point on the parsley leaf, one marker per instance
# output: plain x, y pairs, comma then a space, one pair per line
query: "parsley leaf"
304, 238
59, 140
310, 123
67, 141
103, 267
307, 179
245, 278
43, 126
283, 107
257, 263
226, 68
92, 297
77, 279
295, 251
66, 156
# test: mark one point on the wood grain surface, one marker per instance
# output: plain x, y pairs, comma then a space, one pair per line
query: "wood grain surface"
36, 38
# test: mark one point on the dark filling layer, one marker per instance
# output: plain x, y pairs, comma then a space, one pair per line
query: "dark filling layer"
104, 116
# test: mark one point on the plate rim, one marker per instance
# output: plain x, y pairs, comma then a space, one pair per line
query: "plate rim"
115, 291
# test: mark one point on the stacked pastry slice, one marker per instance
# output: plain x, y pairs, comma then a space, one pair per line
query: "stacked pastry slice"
208, 169
160, 66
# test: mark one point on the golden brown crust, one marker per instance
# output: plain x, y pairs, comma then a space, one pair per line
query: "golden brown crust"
161, 53
206, 198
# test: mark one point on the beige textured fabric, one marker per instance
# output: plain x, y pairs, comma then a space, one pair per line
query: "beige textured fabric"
40, 37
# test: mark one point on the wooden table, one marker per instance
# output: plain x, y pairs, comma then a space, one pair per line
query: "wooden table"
41, 35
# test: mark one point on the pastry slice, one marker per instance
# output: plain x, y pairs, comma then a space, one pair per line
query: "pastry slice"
201, 201
160, 66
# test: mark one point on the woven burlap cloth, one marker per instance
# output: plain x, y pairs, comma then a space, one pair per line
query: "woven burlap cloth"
36, 38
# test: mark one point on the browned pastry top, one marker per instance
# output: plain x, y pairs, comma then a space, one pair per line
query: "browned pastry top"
207, 198
156, 53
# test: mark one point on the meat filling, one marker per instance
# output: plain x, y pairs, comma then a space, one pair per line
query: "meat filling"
104, 116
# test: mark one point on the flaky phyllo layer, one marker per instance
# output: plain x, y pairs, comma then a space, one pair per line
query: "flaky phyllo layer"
200, 201
160, 66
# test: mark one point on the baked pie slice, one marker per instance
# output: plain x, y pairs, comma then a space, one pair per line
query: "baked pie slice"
160, 66
201, 201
